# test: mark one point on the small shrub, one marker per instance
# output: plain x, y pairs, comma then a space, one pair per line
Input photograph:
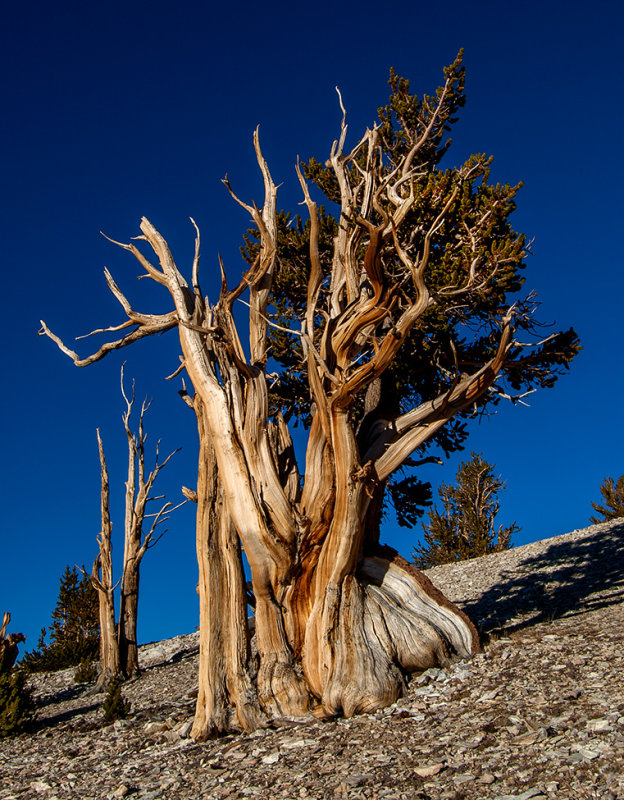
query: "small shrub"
115, 706
16, 704
86, 671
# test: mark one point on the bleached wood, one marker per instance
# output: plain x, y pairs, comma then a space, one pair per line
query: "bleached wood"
337, 628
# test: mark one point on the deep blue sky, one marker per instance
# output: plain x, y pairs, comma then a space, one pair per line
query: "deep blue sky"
117, 110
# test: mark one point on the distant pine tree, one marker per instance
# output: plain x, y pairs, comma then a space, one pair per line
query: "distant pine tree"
75, 629
613, 495
464, 527
16, 704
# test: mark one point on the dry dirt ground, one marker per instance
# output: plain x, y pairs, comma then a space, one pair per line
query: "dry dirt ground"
539, 714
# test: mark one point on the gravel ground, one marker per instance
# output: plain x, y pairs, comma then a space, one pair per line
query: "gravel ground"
539, 714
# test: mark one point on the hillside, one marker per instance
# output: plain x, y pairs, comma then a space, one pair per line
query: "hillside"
539, 714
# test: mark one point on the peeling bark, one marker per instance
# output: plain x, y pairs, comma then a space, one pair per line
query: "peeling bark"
339, 622
225, 679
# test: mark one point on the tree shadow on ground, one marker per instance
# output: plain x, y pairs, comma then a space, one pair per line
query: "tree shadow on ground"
568, 578
41, 723
64, 695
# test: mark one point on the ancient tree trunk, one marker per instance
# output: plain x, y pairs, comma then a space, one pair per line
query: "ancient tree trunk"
129, 596
137, 539
128, 614
340, 622
226, 693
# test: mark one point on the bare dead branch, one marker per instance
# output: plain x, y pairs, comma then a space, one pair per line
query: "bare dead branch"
5, 624
111, 328
177, 371
151, 271
167, 323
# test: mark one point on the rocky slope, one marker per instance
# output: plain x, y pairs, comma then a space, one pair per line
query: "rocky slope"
539, 714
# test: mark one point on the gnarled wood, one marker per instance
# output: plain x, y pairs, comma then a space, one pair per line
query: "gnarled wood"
339, 622
101, 577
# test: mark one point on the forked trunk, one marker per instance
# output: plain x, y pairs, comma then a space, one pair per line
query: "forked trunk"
348, 628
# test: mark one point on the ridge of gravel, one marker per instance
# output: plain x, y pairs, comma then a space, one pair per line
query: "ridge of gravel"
539, 714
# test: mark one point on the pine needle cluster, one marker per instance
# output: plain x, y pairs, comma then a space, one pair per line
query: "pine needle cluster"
86, 671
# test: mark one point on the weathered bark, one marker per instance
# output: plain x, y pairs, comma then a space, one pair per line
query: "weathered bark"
102, 579
119, 653
226, 687
128, 615
133, 524
339, 621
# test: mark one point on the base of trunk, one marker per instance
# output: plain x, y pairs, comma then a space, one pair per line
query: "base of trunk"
391, 621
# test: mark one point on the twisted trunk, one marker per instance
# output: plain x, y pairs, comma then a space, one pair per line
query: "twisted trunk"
339, 621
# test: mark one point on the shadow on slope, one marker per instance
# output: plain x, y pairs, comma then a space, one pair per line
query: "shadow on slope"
43, 722
82, 697
568, 578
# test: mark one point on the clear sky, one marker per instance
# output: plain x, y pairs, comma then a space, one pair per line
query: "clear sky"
117, 110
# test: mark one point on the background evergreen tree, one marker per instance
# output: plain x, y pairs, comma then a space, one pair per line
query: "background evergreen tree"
464, 527
74, 631
16, 704
613, 495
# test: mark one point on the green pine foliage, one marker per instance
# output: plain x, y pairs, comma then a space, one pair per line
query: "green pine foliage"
74, 633
16, 704
612, 492
452, 337
115, 706
464, 527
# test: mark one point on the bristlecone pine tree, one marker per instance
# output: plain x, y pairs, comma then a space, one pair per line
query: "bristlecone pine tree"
74, 632
464, 527
381, 325
612, 492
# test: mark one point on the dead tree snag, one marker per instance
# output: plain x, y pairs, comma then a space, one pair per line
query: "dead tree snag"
118, 642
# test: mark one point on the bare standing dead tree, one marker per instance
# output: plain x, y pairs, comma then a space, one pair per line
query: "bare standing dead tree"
118, 644
101, 578
390, 323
